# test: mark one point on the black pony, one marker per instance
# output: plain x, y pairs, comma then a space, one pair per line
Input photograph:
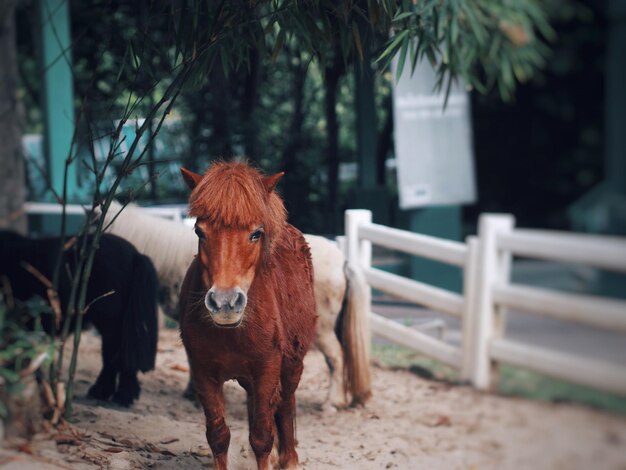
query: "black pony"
126, 320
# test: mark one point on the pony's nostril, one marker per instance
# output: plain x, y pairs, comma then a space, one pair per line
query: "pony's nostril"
211, 302
238, 302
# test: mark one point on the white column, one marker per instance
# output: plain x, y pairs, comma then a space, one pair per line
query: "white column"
470, 278
358, 252
491, 267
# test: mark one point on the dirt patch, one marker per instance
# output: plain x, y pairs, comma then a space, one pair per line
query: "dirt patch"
410, 423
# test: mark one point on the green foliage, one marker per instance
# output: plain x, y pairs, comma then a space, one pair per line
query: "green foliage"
239, 94
487, 43
24, 346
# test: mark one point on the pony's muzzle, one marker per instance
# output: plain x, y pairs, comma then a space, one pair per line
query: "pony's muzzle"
226, 305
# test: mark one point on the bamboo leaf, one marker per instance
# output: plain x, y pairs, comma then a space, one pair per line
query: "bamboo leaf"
413, 53
402, 58
395, 42
402, 16
432, 58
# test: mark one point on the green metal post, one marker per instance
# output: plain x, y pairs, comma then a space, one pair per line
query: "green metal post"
611, 283
58, 92
367, 195
616, 103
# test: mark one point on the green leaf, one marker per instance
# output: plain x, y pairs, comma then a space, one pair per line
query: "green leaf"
476, 27
402, 16
402, 58
413, 53
432, 58
454, 31
395, 42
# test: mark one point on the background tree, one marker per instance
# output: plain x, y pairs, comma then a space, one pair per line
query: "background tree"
273, 78
12, 195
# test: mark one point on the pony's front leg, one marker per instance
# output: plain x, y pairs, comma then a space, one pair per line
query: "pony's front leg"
286, 415
211, 396
265, 397
105, 383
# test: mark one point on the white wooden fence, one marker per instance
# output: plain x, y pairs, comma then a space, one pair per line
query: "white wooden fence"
487, 291
174, 213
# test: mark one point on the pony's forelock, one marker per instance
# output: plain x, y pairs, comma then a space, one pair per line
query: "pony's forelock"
232, 194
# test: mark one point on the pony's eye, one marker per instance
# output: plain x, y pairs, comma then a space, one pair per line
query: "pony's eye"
199, 232
256, 235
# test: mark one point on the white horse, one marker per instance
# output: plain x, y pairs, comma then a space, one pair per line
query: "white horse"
341, 295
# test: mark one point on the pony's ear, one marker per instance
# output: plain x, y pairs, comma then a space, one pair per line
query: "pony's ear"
192, 179
270, 182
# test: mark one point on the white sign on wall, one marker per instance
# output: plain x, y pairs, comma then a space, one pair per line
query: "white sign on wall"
433, 146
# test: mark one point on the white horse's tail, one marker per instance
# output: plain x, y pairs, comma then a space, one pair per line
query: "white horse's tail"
353, 324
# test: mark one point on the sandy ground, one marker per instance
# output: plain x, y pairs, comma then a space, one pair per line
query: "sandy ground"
410, 423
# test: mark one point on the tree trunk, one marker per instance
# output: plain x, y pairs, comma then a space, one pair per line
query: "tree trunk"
331, 82
210, 129
248, 105
295, 186
294, 140
12, 187
144, 25
384, 145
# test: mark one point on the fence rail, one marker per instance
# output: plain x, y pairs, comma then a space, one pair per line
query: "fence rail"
488, 292
446, 251
593, 250
602, 375
173, 213
415, 291
410, 338
594, 311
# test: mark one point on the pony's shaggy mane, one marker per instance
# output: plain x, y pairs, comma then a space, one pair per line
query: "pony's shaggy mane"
233, 195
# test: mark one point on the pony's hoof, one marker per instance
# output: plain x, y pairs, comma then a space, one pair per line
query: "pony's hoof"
329, 408
190, 393
123, 399
274, 459
289, 462
126, 396
99, 392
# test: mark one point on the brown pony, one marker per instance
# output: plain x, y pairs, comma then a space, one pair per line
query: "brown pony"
247, 307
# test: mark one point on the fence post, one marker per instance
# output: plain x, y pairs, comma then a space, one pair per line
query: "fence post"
358, 252
470, 277
492, 266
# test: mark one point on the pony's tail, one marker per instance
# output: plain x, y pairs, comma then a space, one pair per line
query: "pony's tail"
140, 324
355, 337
